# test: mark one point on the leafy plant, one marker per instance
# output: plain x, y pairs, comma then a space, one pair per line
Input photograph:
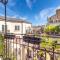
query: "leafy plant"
1, 44
52, 29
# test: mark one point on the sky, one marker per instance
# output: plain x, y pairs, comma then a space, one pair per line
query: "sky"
34, 11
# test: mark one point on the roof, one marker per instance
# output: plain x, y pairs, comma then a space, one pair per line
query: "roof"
38, 26
14, 20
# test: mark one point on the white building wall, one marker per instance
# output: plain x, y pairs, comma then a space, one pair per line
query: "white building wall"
1, 23
11, 27
26, 26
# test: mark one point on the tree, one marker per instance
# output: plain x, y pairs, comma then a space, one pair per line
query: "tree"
57, 29
52, 29
46, 42
49, 29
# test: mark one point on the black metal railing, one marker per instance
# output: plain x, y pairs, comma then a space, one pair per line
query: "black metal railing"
27, 48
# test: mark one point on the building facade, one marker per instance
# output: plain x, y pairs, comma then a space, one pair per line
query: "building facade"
17, 48
19, 28
55, 19
38, 29
16, 26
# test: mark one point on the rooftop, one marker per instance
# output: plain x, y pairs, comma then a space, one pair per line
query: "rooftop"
14, 20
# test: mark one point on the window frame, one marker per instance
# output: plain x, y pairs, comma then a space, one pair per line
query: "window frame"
3, 28
17, 27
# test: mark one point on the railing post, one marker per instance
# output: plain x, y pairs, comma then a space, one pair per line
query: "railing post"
45, 54
53, 53
28, 51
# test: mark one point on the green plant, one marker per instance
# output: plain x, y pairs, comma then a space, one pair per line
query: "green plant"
1, 44
52, 29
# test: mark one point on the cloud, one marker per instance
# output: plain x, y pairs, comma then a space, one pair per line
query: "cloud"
14, 16
24, 18
10, 13
11, 2
42, 16
1, 14
30, 3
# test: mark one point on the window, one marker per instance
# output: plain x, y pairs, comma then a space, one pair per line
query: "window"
28, 30
51, 21
3, 28
17, 27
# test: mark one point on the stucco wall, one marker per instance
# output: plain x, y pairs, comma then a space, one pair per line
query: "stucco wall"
11, 27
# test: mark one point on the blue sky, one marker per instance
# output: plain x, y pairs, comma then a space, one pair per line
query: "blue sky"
34, 11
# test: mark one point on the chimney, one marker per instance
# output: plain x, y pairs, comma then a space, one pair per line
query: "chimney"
58, 13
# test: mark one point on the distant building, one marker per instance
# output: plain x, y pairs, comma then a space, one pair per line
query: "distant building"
37, 29
55, 19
